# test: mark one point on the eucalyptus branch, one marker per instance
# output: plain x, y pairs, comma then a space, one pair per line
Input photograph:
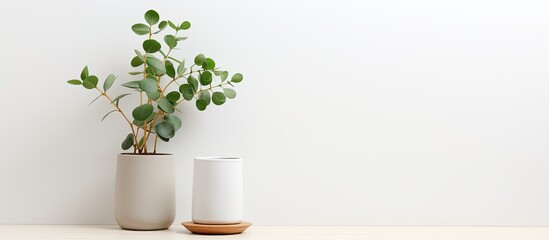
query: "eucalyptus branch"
119, 110
159, 102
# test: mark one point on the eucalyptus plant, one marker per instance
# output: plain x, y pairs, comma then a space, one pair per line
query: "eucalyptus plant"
157, 71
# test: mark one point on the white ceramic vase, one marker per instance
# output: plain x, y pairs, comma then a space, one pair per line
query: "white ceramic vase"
145, 191
217, 190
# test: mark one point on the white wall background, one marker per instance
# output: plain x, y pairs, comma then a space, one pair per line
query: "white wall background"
350, 113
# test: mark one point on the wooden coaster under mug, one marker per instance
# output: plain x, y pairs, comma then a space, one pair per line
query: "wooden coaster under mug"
220, 229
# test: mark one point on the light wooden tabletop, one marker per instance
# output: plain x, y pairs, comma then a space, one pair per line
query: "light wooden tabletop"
100, 232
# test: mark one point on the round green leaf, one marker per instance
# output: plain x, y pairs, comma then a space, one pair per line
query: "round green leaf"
84, 73
151, 46
173, 120
170, 41
165, 129
165, 105
149, 71
237, 78
224, 75
172, 25
75, 82
148, 85
158, 66
128, 142
152, 17
136, 61
208, 64
170, 70
188, 94
185, 25
218, 98
164, 139
181, 69
108, 82
159, 120
229, 93
173, 96
141, 123
138, 123
199, 59
141, 113
153, 95
141, 29
162, 25
187, 91
206, 78
206, 96
201, 104
90, 82
192, 80
138, 54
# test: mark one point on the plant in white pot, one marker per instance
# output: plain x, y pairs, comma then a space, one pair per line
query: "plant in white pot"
145, 181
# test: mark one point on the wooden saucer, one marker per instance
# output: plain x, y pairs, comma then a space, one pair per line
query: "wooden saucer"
216, 229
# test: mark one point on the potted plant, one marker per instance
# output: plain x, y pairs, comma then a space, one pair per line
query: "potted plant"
145, 179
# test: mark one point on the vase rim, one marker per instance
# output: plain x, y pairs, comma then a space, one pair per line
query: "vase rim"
148, 154
218, 158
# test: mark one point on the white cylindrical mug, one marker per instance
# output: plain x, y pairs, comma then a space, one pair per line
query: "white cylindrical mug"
217, 190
